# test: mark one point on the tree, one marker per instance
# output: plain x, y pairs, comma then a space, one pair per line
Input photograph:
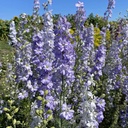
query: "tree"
97, 21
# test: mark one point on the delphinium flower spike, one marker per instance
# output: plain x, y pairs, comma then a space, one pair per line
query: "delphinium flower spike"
100, 56
108, 13
84, 80
64, 64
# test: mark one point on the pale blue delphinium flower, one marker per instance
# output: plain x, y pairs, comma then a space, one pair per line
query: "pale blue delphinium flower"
23, 94
67, 112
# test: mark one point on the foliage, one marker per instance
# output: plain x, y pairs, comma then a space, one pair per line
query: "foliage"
97, 37
97, 21
4, 29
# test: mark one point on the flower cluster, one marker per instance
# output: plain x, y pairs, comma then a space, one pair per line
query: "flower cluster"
124, 118
67, 112
100, 105
43, 57
99, 61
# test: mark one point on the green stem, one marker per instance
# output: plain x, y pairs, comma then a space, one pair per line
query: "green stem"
62, 99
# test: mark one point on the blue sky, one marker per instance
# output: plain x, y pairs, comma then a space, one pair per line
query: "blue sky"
11, 8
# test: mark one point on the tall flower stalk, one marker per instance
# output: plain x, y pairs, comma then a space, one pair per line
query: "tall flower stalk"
23, 57
84, 79
124, 55
108, 13
42, 66
64, 64
100, 56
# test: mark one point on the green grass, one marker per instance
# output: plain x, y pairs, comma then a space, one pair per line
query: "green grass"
4, 45
5, 49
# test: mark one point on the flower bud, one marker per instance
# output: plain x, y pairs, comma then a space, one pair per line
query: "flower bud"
8, 116
49, 112
102, 96
46, 92
98, 89
37, 112
95, 92
44, 101
50, 117
6, 109
10, 102
45, 122
40, 112
14, 121
17, 122
13, 107
39, 98
16, 110
9, 127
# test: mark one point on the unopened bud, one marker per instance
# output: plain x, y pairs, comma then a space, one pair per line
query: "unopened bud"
102, 96
17, 122
8, 116
14, 121
16, 110
6, 109
9, 127
50, 117
49, 112
95, 92
10, 102
46, 92
39, 98
37, 112
45, 122
40, 112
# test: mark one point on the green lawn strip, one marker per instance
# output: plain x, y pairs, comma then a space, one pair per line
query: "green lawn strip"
5, 49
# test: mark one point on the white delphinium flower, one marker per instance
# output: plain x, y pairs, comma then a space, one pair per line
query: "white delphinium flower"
89, 113
50, 2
